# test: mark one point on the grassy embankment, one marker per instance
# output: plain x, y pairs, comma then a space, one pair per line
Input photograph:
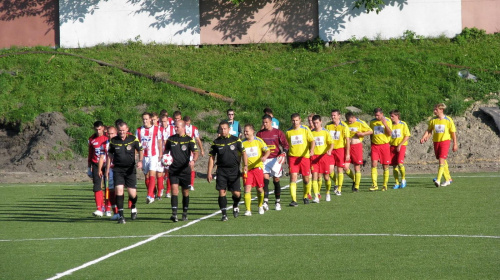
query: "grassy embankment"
403, 74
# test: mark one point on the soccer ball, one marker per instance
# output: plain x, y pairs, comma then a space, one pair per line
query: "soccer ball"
167, 160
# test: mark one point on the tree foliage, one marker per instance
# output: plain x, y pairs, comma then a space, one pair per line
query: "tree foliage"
369, 5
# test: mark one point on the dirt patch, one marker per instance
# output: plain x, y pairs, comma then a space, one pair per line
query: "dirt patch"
41, 151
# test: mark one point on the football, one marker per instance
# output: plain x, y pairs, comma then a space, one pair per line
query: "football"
167, 160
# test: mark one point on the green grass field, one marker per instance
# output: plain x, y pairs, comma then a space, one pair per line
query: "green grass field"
420, 232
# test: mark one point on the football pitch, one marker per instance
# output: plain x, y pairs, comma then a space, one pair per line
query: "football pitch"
420, 232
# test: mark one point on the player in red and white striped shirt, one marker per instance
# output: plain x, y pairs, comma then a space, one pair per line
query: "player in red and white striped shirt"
150, 139
193, 132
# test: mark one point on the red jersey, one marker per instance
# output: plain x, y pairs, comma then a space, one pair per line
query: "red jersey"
274, 139
166, 132
192, 131
148, 137
97, 147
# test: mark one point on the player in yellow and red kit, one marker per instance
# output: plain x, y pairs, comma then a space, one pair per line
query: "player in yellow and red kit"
442, 128
341, 150
399, 141
382, 130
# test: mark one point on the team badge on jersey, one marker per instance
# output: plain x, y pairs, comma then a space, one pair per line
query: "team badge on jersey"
129, 147
231, 147
184, 147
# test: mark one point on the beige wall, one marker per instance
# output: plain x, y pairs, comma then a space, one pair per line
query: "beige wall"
258, 21
23, 23
483, 14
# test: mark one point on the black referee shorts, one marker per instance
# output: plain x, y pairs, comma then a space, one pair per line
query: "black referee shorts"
228, 179
180, 177
125, 176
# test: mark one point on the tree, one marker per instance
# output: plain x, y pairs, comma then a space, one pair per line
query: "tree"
370, 5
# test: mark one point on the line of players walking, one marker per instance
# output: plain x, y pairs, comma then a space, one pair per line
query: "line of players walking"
169, 148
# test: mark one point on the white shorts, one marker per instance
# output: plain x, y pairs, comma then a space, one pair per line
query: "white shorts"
150, 164
268, 167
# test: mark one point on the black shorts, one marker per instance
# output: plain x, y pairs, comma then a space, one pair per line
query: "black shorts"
125, 176
181, 178
228, 179
96, 180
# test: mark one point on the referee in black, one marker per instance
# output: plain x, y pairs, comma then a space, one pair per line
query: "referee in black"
180, 146
227, 151
122, 150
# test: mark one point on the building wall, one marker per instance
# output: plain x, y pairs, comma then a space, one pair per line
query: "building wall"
482, 14
338, 21
28, 23
258, 21
88, 23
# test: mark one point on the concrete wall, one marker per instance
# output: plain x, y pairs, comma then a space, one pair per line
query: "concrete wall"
338, 21
258, 21
87, 23
483, 14
28, 23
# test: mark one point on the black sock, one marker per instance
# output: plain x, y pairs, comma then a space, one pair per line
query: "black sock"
266, 188
236, 200
134, 201
185, 204
174, 201
119, 204
277, 190
222, 204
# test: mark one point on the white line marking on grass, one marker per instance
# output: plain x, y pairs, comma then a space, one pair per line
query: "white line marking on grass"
152, 238
266, 235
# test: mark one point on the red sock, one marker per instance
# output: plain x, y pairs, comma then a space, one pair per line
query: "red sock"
146, 180
160, 185
193, 174
169, 187
99, 200
151, 186
129, 203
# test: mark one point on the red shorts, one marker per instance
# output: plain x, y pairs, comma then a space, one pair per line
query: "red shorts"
255, 178
338, 157
381, 153
397, 158
357, 154
300, 164
320, 164
441, 149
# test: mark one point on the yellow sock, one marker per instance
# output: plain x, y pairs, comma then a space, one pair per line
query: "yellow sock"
315, 188
340, 178
328, 186
358, 180
440, 172
402, 171
307, 188
395, 172
349, 173
293, 191
446, 173
386, 176
260, 196
320, 182
374, 176
248, 201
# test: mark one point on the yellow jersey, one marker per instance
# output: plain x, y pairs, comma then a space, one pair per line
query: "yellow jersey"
254, 150
379, 136
399, 131
299, 140
358, 126
339, 134
323, 140
442, 128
